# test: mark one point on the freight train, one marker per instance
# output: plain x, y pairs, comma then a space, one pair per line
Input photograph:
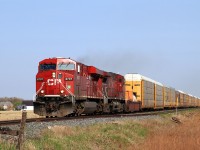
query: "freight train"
66, 87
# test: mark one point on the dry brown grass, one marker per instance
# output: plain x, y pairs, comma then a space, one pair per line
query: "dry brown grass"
30, 146
184, 136
61, 131
12, 115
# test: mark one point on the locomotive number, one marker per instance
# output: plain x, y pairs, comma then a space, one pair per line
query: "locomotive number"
51, 82
68, 79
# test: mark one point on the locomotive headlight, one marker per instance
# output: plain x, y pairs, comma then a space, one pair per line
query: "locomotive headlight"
42, 91
53, 74
62, 91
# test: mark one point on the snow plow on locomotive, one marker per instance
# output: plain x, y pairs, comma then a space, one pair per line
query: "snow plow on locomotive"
66, 87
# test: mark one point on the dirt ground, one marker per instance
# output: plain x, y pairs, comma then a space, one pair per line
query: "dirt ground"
12, 115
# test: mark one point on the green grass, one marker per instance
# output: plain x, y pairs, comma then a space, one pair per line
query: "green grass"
99, 136
6, 146
179, 112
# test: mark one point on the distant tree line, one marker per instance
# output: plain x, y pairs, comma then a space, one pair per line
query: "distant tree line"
14, 100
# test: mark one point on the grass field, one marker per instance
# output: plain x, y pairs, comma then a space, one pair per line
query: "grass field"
11, 115
151, 134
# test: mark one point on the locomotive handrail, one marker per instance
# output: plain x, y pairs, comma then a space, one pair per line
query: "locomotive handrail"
105, 96
34, 96
73, 96
67, 90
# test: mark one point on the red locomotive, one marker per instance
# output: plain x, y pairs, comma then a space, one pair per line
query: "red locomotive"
67, 87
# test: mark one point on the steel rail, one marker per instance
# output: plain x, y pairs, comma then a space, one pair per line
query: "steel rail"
119, 115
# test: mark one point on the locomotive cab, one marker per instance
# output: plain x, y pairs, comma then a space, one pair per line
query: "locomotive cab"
55, 87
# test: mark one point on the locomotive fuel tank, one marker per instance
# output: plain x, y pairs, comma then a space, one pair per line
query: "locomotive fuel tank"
87, 108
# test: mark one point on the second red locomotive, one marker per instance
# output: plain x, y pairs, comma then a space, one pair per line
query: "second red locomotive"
67, 87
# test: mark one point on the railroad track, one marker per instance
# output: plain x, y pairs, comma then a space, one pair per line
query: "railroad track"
14, 122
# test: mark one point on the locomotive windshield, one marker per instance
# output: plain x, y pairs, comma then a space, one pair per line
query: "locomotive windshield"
61, 66
67, 66
48, 67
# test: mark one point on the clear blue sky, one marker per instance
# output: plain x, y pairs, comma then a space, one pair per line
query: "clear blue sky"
159, 39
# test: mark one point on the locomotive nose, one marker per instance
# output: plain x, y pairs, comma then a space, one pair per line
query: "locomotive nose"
49, 83
59, 83
51, 74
